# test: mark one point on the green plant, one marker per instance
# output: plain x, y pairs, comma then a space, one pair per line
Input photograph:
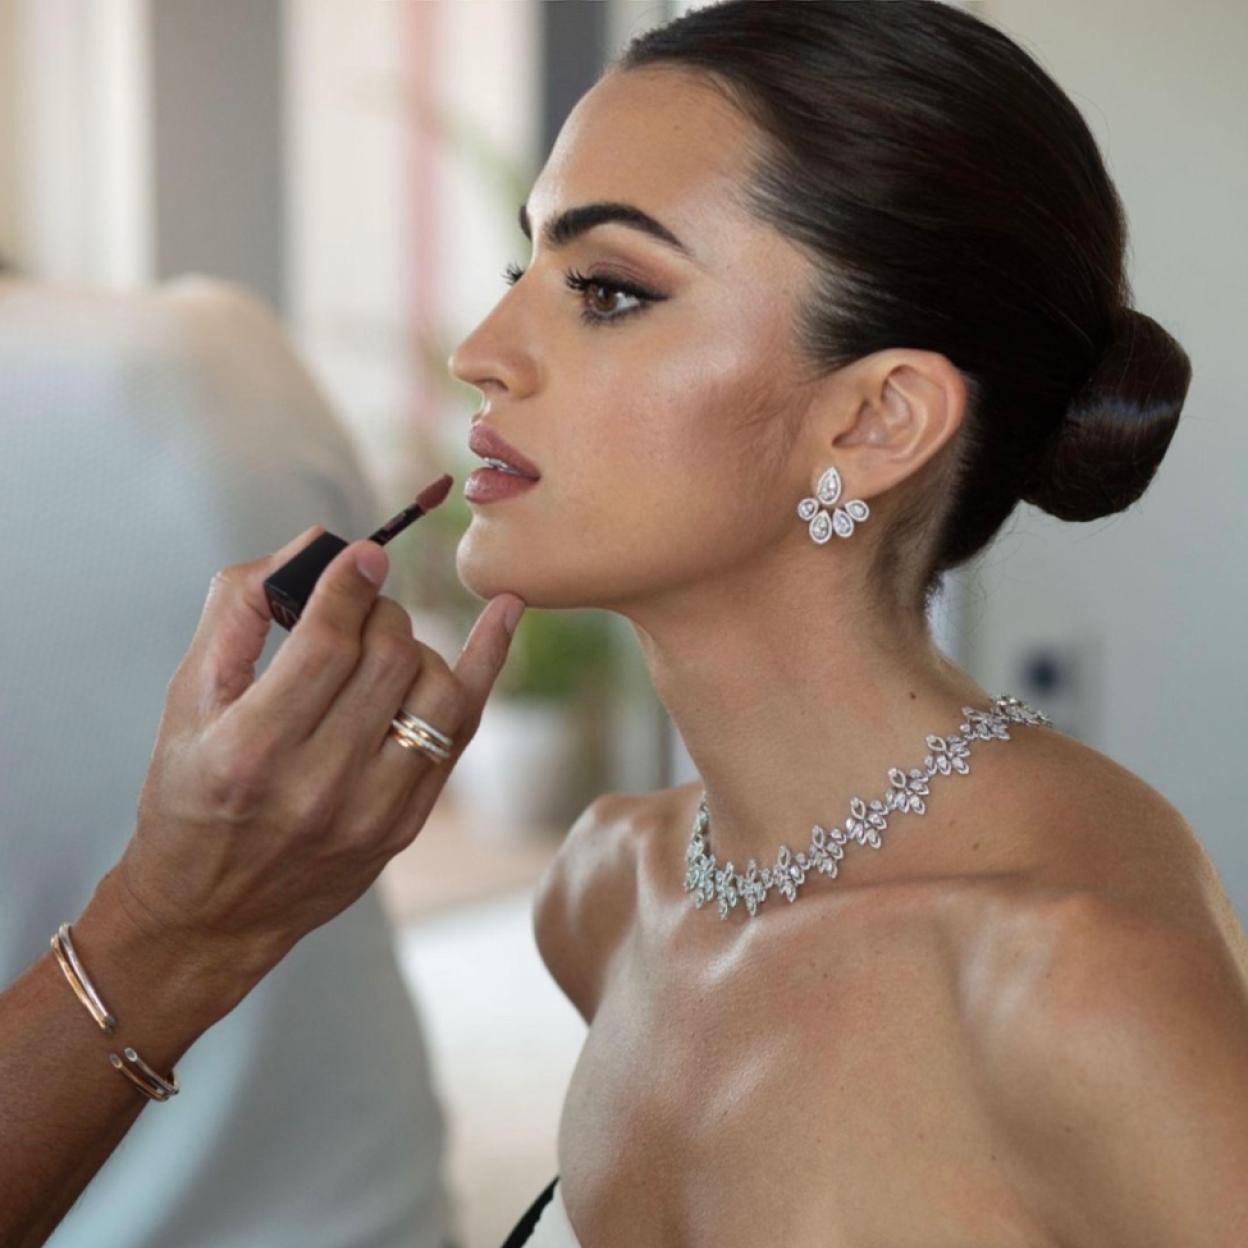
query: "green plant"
560, 656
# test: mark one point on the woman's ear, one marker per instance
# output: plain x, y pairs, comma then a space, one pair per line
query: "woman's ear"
906, 404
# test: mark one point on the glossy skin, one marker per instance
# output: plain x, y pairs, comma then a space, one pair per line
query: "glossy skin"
882, 1063
869, 1086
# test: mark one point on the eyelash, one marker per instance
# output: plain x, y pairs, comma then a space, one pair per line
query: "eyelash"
582, 282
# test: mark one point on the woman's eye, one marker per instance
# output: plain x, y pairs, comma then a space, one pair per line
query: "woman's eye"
593, 287
599, 289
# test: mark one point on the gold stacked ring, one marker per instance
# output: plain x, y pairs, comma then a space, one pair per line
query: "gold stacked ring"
417, 724
414, 733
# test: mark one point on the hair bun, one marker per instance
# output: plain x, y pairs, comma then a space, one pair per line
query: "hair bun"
1104, 452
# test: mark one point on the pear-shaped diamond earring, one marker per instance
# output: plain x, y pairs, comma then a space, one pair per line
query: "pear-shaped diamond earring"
841, 520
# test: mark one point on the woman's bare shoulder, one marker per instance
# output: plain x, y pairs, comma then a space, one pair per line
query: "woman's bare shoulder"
1104, 832
1108, 866
586, 899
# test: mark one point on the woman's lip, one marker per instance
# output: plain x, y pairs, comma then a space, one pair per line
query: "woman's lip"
490, 444
487, 485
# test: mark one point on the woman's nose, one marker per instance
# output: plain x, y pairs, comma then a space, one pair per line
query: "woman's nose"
457, 363
486, 357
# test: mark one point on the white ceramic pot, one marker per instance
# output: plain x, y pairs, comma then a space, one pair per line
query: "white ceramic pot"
515, 777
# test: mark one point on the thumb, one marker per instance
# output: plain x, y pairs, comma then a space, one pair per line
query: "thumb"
485, 651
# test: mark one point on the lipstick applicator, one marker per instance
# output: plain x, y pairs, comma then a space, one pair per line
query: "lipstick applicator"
290, 587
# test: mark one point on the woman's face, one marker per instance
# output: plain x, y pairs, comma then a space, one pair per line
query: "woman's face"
636, 410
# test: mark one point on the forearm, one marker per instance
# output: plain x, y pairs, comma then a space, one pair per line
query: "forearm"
63, 1106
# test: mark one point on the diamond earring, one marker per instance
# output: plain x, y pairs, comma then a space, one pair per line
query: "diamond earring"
841, 520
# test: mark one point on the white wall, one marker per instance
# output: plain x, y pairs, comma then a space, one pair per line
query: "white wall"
8, 130
74, 156
347, 210
386, 225
1160, 591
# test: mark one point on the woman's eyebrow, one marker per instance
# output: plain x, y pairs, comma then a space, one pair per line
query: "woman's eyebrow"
572, 223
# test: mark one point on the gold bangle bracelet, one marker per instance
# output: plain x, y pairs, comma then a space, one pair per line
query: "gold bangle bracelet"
84, 989
152, 1085
151, 1091
168, 1086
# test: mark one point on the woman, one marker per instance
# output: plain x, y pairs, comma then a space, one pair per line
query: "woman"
1010, 1027
880, 239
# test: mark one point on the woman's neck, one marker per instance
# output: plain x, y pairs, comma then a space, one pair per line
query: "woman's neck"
789, 711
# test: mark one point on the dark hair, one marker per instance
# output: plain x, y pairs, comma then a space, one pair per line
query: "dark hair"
951, 198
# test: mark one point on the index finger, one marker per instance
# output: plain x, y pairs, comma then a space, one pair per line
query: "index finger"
233, 626
319, 655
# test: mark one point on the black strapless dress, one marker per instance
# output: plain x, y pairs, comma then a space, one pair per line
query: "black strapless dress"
524, 1228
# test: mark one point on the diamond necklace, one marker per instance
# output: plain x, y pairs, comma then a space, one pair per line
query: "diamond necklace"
707, 880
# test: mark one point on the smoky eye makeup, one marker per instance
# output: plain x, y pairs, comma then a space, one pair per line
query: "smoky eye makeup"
597, 288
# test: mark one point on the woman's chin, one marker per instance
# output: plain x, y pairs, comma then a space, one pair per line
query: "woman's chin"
484, 572
489, 564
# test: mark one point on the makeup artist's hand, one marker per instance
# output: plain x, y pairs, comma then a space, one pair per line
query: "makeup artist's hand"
270, 805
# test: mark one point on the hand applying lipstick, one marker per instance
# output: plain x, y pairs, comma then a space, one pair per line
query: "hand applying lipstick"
289, 588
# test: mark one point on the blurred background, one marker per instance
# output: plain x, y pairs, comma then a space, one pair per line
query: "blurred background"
358, 165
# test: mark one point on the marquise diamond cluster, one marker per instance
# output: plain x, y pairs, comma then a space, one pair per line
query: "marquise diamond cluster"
708, 881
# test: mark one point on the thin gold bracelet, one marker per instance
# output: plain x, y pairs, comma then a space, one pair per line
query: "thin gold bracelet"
152, 1085
149, 1083
67, 956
